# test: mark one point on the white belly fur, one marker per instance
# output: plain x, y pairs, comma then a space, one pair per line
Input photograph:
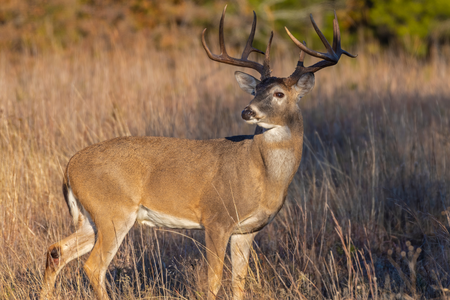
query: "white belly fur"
156, 219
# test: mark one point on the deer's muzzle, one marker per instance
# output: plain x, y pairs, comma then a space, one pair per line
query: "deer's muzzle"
247, 113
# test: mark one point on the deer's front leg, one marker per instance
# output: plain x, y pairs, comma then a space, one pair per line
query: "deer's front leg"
216, 245
241, 244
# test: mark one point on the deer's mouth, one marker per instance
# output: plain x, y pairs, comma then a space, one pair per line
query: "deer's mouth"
252, 121
251, 116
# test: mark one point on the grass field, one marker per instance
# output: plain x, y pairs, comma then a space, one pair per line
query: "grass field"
367, 214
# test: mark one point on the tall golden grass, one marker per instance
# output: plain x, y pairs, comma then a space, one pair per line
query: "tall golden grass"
372, 188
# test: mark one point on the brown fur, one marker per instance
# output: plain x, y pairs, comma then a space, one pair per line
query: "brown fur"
219, 184
229, 187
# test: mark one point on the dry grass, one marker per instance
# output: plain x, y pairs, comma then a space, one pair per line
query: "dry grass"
372, 189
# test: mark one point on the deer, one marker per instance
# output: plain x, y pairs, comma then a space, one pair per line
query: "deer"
229, 187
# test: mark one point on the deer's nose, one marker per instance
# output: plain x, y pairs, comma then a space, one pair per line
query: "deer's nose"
247, 113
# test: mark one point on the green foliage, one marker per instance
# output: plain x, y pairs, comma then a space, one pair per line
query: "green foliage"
412, 25
413, 18
410, 22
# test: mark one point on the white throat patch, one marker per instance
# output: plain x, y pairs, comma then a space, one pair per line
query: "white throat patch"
277, 134
280, 161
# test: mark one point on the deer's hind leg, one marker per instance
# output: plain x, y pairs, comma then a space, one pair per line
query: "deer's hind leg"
61, 253
112, 229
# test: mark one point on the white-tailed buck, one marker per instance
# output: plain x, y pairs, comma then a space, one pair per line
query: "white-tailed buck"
229, 187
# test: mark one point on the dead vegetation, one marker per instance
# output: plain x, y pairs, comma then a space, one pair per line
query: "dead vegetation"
367, 214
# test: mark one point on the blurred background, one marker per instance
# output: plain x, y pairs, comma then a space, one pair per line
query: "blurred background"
368, 213
421, 28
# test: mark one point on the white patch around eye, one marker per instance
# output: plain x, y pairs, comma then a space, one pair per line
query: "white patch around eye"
276, 99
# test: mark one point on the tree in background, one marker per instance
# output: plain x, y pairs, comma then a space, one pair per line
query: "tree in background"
416, 26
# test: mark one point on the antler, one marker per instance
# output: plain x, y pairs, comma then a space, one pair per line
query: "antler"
329, 59
264, 69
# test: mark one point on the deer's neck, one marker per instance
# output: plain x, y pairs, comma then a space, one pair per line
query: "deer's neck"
281, 150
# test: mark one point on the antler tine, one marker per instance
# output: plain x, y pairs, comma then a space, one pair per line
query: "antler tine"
267, 70
333, 53
337, 39
330, 51
301, 58
223, 51
264, 70
330, 58
306, 49
249, 46
336, 34
208, 52
349, 54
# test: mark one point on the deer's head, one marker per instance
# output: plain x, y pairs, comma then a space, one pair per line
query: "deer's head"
276, 98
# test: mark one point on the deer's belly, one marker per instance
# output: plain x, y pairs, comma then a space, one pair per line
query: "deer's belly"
158, 219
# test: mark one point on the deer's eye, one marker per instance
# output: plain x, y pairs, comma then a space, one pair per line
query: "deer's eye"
279, 95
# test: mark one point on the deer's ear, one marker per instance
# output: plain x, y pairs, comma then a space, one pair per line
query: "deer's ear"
247, 82
304, 85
